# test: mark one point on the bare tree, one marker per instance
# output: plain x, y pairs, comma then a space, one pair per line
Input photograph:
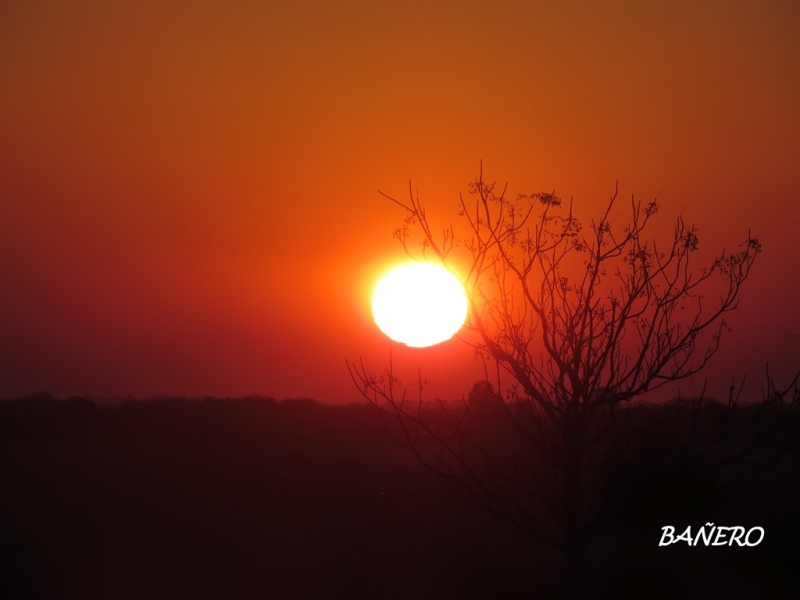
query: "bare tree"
576, 321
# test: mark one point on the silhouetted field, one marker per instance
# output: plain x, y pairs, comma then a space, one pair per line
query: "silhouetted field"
253, 498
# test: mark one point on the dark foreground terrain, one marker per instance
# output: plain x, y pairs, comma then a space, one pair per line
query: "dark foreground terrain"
251, 498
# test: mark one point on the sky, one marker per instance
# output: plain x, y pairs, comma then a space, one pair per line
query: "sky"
188, 191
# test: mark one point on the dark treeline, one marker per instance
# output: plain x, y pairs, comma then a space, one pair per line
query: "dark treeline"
258, 498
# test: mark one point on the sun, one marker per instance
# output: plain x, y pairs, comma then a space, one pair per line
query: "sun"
419, 304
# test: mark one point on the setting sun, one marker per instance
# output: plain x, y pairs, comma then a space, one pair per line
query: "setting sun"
419, 304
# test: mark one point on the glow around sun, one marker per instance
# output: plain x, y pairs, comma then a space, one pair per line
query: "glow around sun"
419, 304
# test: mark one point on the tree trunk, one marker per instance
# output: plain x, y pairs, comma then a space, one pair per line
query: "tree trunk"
574, 538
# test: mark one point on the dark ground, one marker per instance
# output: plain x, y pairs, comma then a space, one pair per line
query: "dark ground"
251, 498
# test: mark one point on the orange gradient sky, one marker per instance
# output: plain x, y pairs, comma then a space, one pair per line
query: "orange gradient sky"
188, 197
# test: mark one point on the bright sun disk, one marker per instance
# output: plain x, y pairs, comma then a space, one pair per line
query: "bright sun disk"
419, 304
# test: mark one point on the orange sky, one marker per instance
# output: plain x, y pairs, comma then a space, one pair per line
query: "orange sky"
188, 194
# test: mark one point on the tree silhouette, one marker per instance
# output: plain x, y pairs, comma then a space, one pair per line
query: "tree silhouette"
576, 321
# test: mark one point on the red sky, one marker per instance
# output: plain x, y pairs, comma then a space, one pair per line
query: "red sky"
188, 197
